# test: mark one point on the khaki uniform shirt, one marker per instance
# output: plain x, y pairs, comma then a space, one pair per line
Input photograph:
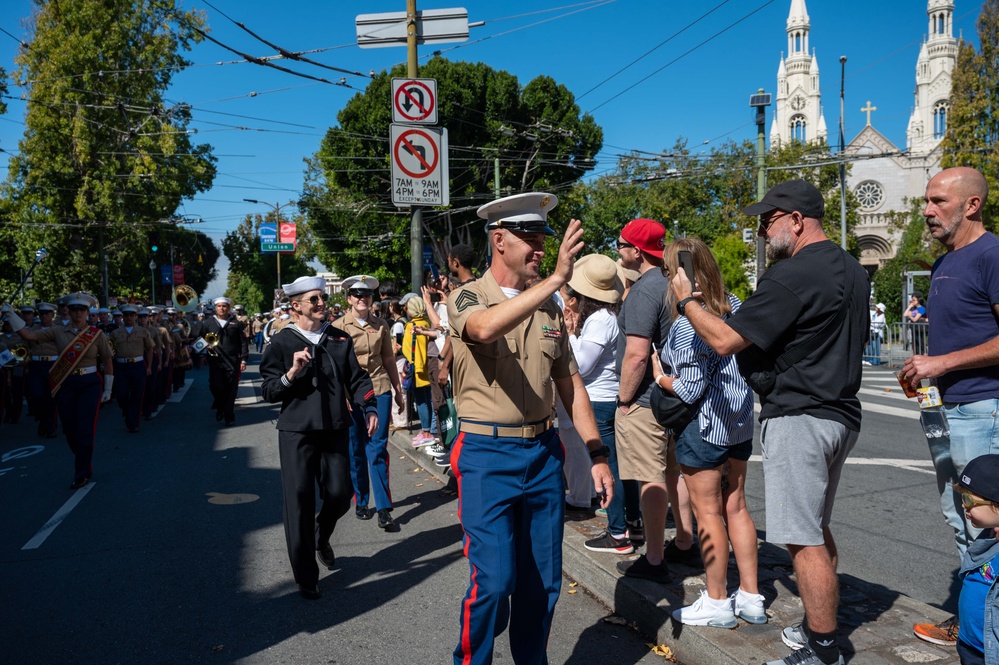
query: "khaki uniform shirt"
41, 348
165, 338
132, 344
371, 343
98, 350
278, 324
245, 320
257, 326
509, 381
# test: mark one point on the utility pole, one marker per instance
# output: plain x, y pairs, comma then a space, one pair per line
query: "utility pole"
277, 220
760, 101
416, 212
842, 153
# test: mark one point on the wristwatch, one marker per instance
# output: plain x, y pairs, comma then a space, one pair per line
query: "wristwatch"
680, 306
602, 451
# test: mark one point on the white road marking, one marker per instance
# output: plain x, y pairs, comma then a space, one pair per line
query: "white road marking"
179, 395
917, 465
57, 519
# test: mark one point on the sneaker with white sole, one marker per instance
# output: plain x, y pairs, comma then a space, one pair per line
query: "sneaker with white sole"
435, 450
794, 636
608, 543
749, 607
803, 656
420, 441
706, 611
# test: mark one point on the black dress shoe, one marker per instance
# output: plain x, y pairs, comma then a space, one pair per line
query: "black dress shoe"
385, 520
218, 414
362, 513
326, 556
79, 482
310, 593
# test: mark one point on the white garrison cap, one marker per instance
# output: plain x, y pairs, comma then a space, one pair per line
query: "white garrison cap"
360, 282
304, 285
526, 213
46, 307
82, 298
103, 310
128, 309
221, 300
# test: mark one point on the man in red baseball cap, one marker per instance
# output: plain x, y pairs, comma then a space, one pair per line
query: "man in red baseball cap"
645, 452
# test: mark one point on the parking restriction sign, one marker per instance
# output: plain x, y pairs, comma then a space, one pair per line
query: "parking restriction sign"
419, 166
414, 100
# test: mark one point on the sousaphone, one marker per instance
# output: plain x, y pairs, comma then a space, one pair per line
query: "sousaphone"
185, 299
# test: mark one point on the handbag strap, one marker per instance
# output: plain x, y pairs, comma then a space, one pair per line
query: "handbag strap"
789, 358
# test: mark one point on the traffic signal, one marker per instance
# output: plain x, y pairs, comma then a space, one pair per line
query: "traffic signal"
154, 241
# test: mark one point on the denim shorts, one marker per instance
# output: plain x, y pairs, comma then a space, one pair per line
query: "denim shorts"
696, 453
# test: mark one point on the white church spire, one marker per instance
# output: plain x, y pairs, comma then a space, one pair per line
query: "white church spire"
798, 112
934, 70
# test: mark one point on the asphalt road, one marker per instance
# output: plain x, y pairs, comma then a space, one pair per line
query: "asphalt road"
176, 554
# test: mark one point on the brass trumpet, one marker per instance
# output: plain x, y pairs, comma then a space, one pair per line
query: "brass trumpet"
185, 298
20, 352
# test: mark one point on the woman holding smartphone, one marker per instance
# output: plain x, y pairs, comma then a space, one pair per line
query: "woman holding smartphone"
715, 447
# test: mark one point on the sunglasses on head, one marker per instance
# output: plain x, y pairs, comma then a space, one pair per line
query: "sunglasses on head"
360, 293
969, 500
314, 300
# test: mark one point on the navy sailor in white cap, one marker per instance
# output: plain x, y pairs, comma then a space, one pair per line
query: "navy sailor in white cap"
227, 360
310, 368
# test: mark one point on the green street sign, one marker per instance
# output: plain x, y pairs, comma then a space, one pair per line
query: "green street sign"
277, 247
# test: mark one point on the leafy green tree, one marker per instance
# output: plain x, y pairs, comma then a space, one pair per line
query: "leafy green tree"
972, 137
249, 267
104, 157
536, 131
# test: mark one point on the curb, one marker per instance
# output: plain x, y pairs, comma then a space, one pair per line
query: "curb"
875, 622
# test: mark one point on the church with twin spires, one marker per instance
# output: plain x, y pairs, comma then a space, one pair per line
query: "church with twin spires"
882, 175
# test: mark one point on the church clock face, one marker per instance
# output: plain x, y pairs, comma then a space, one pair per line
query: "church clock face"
797, 102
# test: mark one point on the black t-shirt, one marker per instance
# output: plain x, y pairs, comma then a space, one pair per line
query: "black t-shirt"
794, 299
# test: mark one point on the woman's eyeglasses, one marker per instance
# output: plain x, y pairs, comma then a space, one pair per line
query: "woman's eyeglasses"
314, 300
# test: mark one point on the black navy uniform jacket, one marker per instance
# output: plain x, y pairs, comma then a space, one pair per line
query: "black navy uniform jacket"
232, 341
317, 398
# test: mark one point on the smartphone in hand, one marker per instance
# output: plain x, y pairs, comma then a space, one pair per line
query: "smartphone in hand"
686, 261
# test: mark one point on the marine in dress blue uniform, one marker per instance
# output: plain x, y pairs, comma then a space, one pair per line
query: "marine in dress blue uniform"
511, 352
79, 389
133, 346
372, 339
43, 357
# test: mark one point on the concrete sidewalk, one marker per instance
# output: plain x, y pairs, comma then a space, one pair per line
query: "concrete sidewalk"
875, 622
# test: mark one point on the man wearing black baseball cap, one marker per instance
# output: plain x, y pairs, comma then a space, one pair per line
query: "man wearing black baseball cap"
800, 339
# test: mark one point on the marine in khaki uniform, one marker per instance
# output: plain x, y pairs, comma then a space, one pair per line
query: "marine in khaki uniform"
43, 357
133, 346
511, 352
74, 379
372, 338
149, 402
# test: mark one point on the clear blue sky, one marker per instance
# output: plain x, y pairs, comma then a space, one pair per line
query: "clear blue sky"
700, 91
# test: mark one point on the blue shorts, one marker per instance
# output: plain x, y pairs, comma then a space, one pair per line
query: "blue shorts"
696, 453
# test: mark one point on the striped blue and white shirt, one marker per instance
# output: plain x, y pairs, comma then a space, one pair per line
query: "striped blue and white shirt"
726, 414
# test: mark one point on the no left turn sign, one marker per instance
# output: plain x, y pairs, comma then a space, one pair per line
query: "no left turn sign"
414, 100
419, 165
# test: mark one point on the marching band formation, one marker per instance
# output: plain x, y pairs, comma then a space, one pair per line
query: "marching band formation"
68, 358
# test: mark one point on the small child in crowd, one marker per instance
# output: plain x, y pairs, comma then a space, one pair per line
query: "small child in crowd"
978, 607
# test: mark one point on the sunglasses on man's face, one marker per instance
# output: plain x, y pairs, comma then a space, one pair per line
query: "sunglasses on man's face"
314, 300
969, 500
622, 244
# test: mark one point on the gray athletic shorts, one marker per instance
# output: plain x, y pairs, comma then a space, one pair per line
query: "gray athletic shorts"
803, 458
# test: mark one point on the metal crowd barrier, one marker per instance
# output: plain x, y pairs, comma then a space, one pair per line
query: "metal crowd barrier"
898, 342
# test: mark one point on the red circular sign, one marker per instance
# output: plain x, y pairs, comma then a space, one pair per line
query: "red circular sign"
414, 101
413, 148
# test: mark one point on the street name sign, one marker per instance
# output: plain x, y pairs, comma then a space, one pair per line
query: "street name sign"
272, 247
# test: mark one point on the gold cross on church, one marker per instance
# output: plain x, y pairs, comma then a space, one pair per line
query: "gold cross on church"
868, 110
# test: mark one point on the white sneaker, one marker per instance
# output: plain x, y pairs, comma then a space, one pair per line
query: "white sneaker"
435, 450
706, 611
749, 607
